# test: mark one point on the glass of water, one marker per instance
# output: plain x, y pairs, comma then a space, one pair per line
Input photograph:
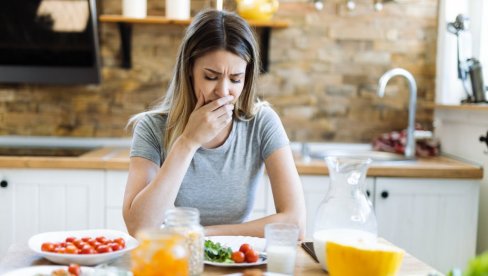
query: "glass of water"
281, 247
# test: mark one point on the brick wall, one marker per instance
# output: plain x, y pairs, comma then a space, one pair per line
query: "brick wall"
322, 80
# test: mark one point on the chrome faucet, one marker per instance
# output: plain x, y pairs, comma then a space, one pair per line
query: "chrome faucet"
410, 148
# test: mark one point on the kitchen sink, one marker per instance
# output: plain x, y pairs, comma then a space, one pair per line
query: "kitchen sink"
376, 156
43, 151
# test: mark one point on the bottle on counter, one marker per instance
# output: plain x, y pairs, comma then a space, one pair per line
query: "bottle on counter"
186, 222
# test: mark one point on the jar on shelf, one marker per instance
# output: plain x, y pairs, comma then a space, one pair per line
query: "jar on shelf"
345, 212
160, 252
186, 222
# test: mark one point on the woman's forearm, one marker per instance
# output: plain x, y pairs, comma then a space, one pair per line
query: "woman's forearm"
148, 206
255, 228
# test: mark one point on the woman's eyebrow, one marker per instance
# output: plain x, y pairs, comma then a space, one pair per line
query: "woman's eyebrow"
219, 73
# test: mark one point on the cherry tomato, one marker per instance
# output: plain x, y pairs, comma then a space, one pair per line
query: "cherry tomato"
252, 256
62, 244
245, 247
102, 240
77, 242
115, 246
71, 249
74, 269
91, 241
48, 247
70, 239
60, 250
82, 244
104, 249
88, 250
85, 239
96, 245
120, 241
86, 246
238, 257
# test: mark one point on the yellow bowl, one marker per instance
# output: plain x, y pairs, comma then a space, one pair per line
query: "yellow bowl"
366, 259
257, 9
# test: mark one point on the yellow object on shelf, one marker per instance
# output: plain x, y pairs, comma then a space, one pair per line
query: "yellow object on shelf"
257, 9
366, 259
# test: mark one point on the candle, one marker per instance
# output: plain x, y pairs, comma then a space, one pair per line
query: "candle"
134, 8
179, 9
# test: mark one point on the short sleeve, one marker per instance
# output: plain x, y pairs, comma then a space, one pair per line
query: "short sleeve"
271, 131
147, 140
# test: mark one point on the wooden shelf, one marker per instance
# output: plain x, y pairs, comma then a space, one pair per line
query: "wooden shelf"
125, 29
112, 18
467, 107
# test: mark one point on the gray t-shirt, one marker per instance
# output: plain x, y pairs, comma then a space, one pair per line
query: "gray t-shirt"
220, 182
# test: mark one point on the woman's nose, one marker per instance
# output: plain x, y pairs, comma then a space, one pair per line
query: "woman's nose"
223, 88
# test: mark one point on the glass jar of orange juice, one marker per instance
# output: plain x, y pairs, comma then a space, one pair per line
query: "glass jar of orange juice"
186, 221
160, 252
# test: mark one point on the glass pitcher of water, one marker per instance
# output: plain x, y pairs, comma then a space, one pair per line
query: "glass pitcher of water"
345, 211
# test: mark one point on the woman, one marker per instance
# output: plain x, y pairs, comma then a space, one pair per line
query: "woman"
205, 145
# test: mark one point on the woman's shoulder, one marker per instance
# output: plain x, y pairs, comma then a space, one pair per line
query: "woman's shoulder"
153, 119
265, 112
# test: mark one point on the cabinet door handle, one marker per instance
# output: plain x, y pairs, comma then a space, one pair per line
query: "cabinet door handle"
368, 193
3, 183
384, 194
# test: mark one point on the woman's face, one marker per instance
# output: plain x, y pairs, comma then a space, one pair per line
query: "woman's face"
218, 74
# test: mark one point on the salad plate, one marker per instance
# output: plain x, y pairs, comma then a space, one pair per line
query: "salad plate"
234, 242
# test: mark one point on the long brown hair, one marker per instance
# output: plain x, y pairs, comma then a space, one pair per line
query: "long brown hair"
210, 30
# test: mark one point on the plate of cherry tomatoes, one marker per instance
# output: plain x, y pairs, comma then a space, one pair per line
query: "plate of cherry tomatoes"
246, 251
84, 247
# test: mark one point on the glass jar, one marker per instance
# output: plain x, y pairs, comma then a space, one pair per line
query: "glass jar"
160, 253
345, 212
186, 221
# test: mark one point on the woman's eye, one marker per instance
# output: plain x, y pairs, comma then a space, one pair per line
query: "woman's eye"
236, 81
210, 78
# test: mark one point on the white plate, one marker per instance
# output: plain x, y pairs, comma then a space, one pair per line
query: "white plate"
235, 243
35, 243
44, 269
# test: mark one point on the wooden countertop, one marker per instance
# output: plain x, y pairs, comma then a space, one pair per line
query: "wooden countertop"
19, 255
463, 107
117, 159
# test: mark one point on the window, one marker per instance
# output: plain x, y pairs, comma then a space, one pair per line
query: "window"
449, 89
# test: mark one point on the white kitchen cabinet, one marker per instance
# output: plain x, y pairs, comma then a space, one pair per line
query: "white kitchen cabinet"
115, 182
459, 130
40, 200
433, 219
